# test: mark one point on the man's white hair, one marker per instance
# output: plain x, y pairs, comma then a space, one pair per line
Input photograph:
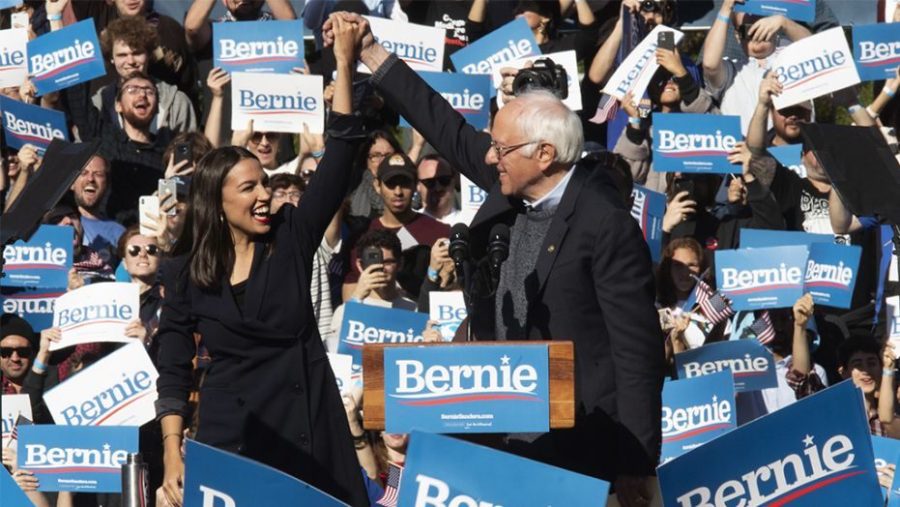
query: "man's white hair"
543, 117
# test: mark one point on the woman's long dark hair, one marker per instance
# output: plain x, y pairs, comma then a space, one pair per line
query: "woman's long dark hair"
665, 288
205, 235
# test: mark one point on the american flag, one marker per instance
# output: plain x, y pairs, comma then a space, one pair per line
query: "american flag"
391, 487
606, 109
20, 421
761, 328
714, 306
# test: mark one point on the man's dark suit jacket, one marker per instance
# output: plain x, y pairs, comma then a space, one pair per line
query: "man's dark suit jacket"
593, 285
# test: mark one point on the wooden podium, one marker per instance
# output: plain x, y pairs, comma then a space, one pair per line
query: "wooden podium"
561, 356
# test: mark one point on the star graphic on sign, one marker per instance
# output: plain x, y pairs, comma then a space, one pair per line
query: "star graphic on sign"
808, 441
504, 359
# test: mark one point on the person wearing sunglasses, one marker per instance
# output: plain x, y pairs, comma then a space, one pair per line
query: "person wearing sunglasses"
17, 348
437, 187
734, 83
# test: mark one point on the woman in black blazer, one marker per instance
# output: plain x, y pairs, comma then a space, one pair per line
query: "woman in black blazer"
240, 279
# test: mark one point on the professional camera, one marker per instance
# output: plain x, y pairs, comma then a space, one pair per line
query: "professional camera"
544, 75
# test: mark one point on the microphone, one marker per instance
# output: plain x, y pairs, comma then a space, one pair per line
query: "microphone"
459, 244
498, 246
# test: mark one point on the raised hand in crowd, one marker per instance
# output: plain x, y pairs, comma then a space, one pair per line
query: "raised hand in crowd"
629, 106
678, 210
182, 168
135, 329
75, 280
216, 82
441, 263
670, 60
242, 137
886, 393
756, 133
311, 144
430, 334
370, 280
48, 336
676, 342
352, 399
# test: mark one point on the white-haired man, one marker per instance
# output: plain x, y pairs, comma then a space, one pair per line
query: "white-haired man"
577, 253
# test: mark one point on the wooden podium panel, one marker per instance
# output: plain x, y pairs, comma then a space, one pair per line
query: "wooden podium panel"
561, 356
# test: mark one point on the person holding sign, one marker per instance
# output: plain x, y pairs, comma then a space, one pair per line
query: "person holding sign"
241, 278
578, 266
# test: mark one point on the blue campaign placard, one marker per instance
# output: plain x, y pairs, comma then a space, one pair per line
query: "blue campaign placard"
445, 471
6, 4
695, 411
34, 125
65, 58
649, 208
816, 452
831, 273
750, 363
86, 459
695, 143
762, 238
216, 477
876, 51
789, 155
13, 496
452, 389
801, 10
761, 278
258, 46
35, 305
468, 94
374, 324
43, 261
510, 42
887, 452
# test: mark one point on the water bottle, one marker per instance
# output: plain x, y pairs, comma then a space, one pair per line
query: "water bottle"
134, 481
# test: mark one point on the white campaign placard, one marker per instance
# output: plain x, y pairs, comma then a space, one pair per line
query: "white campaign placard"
118, 390
472, 196
567, 59
14, 405
814, 66
342, 366
449, 310
96, 313
13, 57
420, 46
277, 102
639, 66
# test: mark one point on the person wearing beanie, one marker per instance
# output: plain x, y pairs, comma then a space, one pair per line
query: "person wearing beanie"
17, 348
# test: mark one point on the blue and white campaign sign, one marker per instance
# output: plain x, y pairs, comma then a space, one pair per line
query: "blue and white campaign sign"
277, 102
468, 94
258, 46
448, 309
14, 405
471, 196
6, 4
761, 278
510, 42
96, 313
635, 72
364, 324
649, 208
86, 459
567, 59
452, 389
876, 51
35, 305
763, 238
118, 390
694, 143
831, 273
695, 411
751, 364
790, 156
420, 46
887, 453
444, 471
13, 57
815, 452
814, 66
801, 10
13, 496
43, 261
213, 477
34, 125
65, 58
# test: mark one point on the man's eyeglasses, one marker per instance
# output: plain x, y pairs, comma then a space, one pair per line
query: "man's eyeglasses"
502, 151
272, 137
8, 351
281, 194
443, 181
147, 91
379, 156
135, 250
650, 6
